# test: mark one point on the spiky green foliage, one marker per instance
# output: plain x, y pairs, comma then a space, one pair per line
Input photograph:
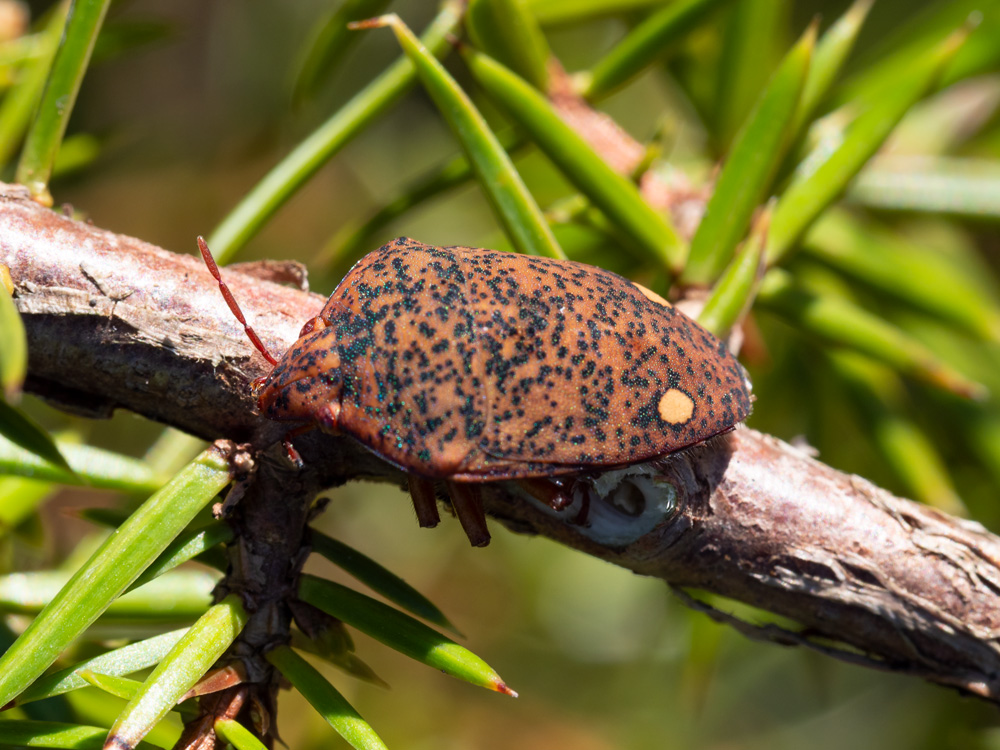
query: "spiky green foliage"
870, 313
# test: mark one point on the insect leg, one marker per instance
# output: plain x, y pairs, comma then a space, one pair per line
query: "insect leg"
552, 492
293, 455
468, 504
424, 501
286, 441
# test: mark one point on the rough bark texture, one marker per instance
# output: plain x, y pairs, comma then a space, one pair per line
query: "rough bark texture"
114, 322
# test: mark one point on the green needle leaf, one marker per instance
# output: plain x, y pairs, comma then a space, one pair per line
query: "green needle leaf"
746, 176
828, 59
922, 277
507, 31
329, 45
338, 655
19, 733
238, 735
271, 193
513, 205
878, 395
325, 698
18, 50
120, 687
121, 661
118, 562
377, 578
180, 595
20, 102
76, 153
21, 499
734, 294
190, 658
88, 466
172, 450
811, 193
187, 546
13, 340
644, 44
889, 61
754, 34
938, 184
19, 429
840, 322
575, 11
353, 241
613, 193
201, 541
400, 632
982, 426
70, 64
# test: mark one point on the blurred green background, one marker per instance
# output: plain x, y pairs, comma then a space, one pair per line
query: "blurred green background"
188, 105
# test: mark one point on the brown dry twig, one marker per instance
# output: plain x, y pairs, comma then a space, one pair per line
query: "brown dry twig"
114, 322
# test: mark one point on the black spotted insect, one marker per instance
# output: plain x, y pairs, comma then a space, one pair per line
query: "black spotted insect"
462, 365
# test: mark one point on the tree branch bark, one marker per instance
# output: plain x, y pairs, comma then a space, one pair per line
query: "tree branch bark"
116, 323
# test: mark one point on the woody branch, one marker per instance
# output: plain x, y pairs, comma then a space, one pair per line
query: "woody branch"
114, 322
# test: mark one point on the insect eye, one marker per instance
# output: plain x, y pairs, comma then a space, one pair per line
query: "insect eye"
313, 324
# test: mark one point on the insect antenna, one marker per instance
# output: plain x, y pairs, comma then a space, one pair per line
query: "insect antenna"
231, 301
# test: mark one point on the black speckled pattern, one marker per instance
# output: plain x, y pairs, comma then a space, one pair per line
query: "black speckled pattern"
477, 365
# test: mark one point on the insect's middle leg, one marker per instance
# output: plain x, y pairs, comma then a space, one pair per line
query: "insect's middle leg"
467, 500
424, 501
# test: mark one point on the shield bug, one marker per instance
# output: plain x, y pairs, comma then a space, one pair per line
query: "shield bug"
462, 365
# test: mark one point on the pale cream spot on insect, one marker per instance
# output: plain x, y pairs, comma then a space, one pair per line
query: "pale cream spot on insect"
652, 296
676, 407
